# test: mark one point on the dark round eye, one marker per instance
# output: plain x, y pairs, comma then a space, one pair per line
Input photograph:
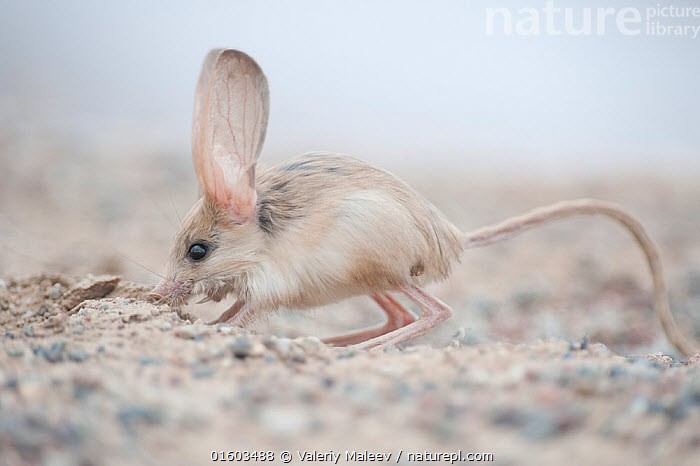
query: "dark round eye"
197, 251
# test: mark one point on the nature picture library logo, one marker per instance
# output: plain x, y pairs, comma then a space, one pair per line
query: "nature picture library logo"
555, 18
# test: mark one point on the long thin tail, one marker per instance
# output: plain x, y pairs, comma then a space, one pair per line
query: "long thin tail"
516, 225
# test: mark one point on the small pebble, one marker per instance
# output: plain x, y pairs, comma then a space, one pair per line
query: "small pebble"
346, 353
540, 426
78, 355
225, 329
584, 343
678, 408
252, 346
55, 291
15, 352
166, 326
191, 332
258, 349
57, 321
296, 354
617, 371
202, 372
28, 331
11, 383
281, 346
241, 347
465, 337
508, 416
657, 406
78, 329
141, 316
640, 405
148, 361
55, 353
310, 345
130, 416
84, 386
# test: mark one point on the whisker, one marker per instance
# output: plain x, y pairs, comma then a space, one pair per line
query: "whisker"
142, 266
172, 203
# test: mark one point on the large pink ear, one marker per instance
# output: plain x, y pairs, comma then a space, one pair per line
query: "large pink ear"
228, 131
201, 109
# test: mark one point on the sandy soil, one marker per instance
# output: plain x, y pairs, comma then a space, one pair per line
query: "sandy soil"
553, 356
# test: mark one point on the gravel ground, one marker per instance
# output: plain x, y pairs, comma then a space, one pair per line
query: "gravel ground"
553, 356
91, 374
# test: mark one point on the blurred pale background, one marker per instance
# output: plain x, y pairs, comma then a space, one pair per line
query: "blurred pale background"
95, 114
397, 82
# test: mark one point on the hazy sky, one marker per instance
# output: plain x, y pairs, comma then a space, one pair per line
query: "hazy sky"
419, 81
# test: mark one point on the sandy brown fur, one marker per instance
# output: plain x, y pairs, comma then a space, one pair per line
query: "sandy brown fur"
313, 185
328, 227
318, 199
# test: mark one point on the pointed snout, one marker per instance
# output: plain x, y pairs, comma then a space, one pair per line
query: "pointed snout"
171, 291
158, 294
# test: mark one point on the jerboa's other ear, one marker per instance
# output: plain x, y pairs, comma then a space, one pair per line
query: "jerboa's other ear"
230, 121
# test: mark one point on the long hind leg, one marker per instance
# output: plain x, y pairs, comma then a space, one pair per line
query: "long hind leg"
396, 317
434, 313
